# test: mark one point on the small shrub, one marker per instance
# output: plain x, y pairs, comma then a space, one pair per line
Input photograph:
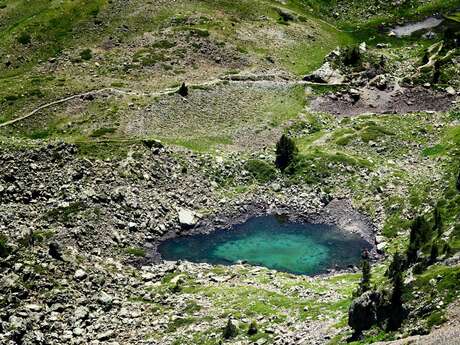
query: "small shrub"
199, 32
351, 56
139, 252
252, 328
24, 38
163, 44
5, 249
86, 54
230, 330
102, 131
260, 170
435, 319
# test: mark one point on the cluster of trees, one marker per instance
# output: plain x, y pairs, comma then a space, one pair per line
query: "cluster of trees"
385, 308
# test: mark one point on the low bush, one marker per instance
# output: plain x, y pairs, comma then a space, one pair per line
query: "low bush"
260, 170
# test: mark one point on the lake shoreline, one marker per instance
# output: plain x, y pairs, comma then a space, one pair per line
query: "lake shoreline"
338, 212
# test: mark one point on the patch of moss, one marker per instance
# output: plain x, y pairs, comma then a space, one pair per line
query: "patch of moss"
135, 251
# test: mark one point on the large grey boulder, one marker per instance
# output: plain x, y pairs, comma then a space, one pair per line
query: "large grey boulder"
325, 74
363, 312
187, 218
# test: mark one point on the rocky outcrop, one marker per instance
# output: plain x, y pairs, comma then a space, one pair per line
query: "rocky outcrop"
326, 74
364, 311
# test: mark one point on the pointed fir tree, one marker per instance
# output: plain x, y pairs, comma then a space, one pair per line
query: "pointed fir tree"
396, 266
397, 313
434, 253
286, 152
437, 220
230, 330
183, 90
365, 283
458, 182
420, 235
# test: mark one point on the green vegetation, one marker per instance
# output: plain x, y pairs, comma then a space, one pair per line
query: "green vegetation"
262, 171
401, 169
139, 252
86, 54
365, 283
230, 330
286, 152
4, 247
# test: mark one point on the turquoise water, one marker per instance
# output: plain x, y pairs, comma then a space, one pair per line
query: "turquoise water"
268, 241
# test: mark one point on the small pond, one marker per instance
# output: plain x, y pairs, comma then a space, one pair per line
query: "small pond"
409, 28
271, 242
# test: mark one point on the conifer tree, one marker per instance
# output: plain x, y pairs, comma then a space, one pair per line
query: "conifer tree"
286, 152
437, 220
420, 235
396, 265
458, 182
230, 330
434, 253
183, 90
396, 302
365, 283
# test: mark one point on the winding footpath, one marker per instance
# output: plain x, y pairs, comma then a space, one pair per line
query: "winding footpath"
165, 92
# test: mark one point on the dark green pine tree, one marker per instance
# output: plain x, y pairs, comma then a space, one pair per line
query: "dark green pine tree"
286, 151
365, 283
437, 220
396, 266
458, 182
397, 313
434, 253
183, 90
420, 235
230, 330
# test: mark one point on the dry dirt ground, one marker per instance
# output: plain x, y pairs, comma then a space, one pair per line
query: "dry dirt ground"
375, 101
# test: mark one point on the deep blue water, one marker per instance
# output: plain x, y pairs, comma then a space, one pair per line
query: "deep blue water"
268, 241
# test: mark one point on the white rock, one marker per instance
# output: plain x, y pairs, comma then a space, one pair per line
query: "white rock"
187, 218
381, 246
80, 274
105, 298
451, 91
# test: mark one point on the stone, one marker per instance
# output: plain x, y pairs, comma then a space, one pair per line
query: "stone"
325, 74
105, 298
276, 187
451, 91
80, 313
80, 274
187, 218
105, 335
34, 307
381, 246
362, 313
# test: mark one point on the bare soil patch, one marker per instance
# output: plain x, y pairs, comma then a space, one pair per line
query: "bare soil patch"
375, 101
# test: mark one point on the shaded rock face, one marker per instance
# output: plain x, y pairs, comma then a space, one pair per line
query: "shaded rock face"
363, 312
